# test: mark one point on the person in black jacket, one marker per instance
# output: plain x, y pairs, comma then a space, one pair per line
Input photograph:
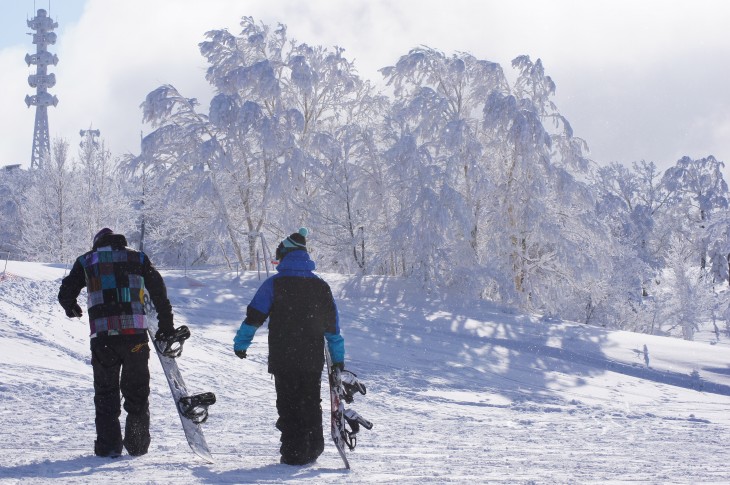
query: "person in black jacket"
302, 314
116, 277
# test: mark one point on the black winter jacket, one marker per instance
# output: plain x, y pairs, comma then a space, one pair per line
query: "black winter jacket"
301, 312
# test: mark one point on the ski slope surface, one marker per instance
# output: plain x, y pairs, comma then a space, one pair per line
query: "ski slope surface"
459, 392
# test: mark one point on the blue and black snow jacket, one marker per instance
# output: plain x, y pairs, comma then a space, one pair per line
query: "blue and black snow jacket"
302, 313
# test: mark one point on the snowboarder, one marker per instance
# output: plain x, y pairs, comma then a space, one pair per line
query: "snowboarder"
302, 314
115, 277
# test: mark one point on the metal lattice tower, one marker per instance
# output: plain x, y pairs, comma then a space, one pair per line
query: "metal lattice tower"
43, 26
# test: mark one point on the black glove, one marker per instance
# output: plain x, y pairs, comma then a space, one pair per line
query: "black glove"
163, 334
73, 311
240, 353
338, 365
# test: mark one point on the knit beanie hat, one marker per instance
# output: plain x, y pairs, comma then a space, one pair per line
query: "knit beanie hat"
102, 233
295, 241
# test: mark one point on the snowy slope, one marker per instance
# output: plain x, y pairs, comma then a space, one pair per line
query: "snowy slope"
458, 391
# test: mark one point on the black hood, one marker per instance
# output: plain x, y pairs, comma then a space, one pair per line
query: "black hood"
117, 241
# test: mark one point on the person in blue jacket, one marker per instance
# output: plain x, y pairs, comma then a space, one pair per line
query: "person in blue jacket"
302, 314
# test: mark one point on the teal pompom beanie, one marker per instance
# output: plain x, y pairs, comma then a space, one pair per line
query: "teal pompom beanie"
295, 241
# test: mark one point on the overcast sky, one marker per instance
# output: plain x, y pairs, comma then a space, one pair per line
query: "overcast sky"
637, 79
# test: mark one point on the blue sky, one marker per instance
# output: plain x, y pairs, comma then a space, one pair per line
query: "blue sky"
14, 13
638, 80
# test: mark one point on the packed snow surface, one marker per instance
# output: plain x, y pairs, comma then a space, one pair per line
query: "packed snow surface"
459, 391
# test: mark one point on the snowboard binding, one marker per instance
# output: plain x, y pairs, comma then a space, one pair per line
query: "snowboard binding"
354, 420
195, 407
351, 385
172, 346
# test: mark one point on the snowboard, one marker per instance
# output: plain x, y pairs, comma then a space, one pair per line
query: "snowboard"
337, 408
344, 423
193, 410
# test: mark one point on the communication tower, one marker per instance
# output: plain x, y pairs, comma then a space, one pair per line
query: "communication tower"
44, 36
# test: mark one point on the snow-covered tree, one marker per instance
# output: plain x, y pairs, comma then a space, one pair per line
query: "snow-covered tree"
699, 191
347, 211
699, 185
14, 184
50, 210
266, 155
317, 117
546, 236
190, 164
250, 119
718, 246
686, 299
635, 203
567, 150
439, 177
101, 191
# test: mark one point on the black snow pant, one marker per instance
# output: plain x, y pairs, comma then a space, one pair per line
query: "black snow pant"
300, 417
121, 363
